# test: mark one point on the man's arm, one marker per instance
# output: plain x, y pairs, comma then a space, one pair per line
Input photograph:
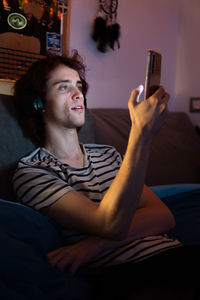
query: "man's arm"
151, 218
113, 217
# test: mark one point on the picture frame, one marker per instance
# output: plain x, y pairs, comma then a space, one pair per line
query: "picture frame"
195, 104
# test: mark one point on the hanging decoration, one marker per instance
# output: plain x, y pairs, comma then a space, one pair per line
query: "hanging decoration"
106, 30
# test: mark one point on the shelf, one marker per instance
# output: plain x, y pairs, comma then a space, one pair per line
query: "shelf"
7, 87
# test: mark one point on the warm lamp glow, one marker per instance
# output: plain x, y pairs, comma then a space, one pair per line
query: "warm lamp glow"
5, 3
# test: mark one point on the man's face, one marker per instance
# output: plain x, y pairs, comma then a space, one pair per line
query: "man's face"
64, 99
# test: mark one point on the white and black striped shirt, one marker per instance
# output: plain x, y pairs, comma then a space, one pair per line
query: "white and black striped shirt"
41, 179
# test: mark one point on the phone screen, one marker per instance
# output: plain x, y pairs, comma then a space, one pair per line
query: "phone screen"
153, 73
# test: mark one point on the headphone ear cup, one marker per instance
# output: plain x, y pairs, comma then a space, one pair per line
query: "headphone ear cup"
38, 104
31, 104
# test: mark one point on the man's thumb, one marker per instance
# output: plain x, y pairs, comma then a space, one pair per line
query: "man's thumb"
135, 95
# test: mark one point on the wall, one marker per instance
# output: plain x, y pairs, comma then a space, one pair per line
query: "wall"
187, 82
144, 24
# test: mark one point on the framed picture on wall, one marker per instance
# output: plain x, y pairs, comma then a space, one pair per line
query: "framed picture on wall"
195, 104
28, 30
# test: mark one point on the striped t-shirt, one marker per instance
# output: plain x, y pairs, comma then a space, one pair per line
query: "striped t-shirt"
41, 179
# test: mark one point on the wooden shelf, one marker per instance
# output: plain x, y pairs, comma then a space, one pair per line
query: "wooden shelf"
7, 87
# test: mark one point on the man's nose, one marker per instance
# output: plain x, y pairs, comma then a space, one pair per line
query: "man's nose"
77, 94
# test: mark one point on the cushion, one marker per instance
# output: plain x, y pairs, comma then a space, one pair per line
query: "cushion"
87, 132
174, 156
25, 238
185, 207
164, 191
112, 127
184, 202
13, 145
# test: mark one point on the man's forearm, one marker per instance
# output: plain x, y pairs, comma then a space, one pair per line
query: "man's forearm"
121, 200
146, 222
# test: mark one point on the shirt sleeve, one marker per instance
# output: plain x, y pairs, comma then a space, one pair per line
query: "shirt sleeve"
37, 187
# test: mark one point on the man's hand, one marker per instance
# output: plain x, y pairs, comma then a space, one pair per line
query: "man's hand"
147, 116
75, 255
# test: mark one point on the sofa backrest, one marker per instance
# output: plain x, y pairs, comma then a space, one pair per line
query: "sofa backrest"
174, 155
175, 150
13, 145
112, 126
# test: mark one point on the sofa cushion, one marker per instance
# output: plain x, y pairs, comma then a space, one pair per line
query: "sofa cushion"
86, 133
112, 127
175, 152
13, 145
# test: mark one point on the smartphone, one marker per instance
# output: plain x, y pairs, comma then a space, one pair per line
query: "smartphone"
153, 73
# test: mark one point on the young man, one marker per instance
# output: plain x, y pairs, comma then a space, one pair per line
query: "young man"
107, 214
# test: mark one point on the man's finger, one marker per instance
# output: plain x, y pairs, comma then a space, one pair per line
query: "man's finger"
134, 97
160, 93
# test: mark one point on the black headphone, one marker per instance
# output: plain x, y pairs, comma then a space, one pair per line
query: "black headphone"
38, 104
31, 103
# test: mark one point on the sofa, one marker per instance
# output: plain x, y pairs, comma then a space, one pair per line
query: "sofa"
26, 236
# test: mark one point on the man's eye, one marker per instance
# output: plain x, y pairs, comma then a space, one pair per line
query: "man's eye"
62, 87
80, 88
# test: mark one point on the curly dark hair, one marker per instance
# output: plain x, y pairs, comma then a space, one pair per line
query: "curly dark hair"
33, 84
